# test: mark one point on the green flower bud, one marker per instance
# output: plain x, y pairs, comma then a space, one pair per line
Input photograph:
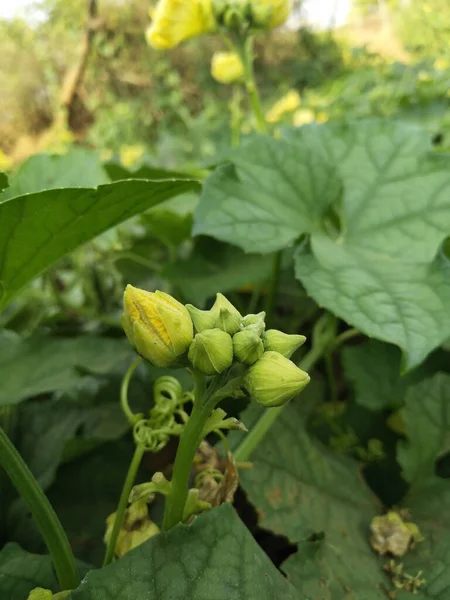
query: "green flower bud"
255, 322
157, 325
247, 346
211, 352
281, 342
274, 380
202, 319
228, 318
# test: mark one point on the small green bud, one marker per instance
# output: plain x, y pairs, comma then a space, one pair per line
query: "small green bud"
255, 322
281, 342
247, 346
228, 318
274, 380
202, 319
211, 352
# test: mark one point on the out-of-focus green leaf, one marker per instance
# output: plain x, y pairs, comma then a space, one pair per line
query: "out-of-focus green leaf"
3, 183
77, 168
21, 571
38, 229
42, 364
118, 172
171, 221
216, 267
214, 558
374, 368
427, 421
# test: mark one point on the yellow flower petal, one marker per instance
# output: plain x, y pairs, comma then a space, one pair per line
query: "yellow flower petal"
177, 20
226, 67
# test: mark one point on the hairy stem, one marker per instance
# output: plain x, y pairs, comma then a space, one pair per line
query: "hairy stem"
46, 519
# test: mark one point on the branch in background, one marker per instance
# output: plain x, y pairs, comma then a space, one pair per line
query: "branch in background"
70, 93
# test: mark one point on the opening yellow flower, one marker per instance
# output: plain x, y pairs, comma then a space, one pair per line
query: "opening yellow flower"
177, 20
288, 103
226, 67
157, 325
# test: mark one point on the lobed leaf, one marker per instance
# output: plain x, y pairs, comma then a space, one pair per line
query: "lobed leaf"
214, 558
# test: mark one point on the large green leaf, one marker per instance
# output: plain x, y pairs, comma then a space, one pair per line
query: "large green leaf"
376, 203
39, 364
402, 303
427, 421
271, 193
21, 571
38, 229
214, 558
77, 168
319, 501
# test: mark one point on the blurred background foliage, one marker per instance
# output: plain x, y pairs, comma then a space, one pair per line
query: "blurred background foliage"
82, 73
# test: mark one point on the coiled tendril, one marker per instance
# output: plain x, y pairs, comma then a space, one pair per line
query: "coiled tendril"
154, 433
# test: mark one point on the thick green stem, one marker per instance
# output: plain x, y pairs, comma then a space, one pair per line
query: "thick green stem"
254, 437
189, 443
131, 417
43, 513
120, 513
273, 289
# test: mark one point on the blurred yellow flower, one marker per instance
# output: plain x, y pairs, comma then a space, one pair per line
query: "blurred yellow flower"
177, 20
441, 64
303, 116
423, 76
129, 155
286, 104
280, 10
5, 161
322, 116
226, 67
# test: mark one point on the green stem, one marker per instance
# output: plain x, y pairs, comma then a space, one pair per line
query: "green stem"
189, 443
123, 502
330, 376
43, 513
254, 437
343, 337
273, 289
131, 417
246, 54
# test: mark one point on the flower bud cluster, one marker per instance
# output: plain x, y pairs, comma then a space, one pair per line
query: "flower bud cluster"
174, 21
166, 333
